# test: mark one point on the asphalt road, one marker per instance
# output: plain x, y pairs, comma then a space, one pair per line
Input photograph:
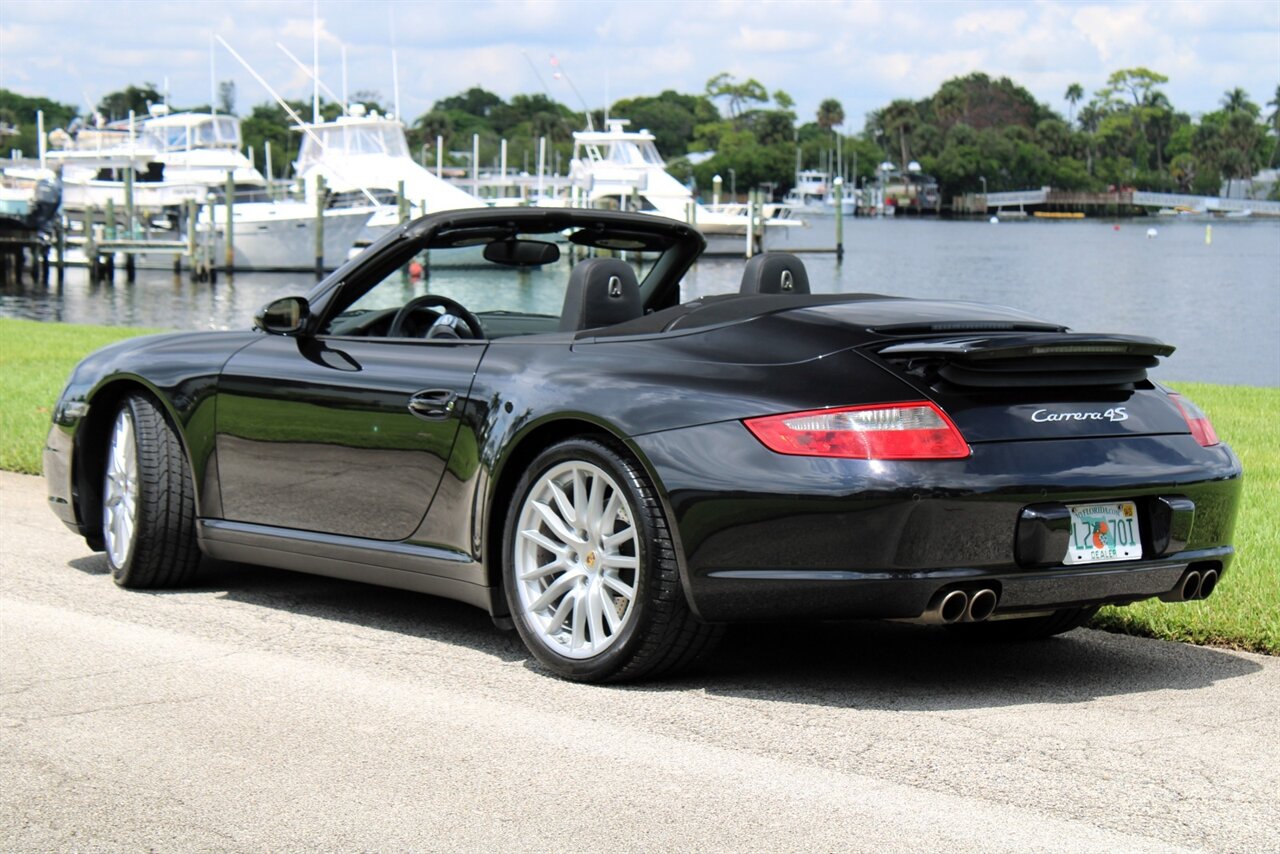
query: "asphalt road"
266, 710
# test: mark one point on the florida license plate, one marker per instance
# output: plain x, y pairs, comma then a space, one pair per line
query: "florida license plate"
1103, 532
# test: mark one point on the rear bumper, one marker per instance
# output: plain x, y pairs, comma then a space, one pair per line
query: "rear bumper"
760, 595
766, 536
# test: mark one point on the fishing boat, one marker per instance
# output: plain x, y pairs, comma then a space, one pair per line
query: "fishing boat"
621, 168
167, 159
363, 159
814, 194
281, 235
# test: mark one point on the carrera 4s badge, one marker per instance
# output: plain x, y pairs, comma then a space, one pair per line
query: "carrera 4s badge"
1116, 413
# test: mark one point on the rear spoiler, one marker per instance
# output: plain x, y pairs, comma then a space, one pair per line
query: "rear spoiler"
1030, 359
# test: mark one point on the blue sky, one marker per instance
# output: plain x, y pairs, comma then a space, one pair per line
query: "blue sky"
863, 53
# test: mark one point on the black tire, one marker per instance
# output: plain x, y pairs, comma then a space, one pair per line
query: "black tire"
659, 635
1026, 628
161, 550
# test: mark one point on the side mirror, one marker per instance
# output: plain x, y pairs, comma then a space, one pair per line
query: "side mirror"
285, 316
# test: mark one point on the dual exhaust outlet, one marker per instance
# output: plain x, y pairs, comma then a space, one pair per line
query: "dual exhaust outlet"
955, 606
1194, 585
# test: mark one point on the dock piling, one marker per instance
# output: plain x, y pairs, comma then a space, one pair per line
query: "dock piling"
321, 192
229, 238
838, 192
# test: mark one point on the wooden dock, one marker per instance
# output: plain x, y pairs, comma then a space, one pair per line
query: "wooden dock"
1126, 202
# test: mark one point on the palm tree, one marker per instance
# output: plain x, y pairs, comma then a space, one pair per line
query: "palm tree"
1235, 100
830, 114
1073, 95
900, 116
1274, 119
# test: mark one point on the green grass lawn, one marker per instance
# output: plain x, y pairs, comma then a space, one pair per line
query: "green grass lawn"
35, 361
1244, 612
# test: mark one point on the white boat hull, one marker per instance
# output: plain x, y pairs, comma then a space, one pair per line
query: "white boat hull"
282, 236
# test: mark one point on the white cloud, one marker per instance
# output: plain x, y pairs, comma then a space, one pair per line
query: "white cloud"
863, 52
1003, 21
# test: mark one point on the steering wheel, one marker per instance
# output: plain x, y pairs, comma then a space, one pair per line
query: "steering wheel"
471, 323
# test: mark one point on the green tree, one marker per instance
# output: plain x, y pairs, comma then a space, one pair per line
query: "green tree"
830, 114
1274, 120
475, 102
138, 99
1237, 100
740, 96
1138, 83
900, 119
227, 97
18, 112
1073, 96
672, 118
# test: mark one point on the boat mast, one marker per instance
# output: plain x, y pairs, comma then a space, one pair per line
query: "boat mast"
213, 80
315, 62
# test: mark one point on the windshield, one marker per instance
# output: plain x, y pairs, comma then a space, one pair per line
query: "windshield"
206, 132
506, 300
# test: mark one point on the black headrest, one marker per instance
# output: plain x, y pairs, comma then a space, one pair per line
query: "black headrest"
774, 273
601, 292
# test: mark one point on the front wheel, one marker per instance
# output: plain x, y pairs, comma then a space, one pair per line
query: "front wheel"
148, 503
590, 569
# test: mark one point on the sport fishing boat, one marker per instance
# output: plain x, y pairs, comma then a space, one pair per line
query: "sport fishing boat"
612, 167
180, 157
363, 157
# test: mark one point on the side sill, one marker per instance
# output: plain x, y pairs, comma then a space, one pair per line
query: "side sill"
405, 567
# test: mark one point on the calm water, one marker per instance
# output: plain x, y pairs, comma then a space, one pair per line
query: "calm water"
1219, 303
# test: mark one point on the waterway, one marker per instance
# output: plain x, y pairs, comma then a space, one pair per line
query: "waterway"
1217, 300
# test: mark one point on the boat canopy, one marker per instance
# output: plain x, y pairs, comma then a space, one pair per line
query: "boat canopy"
349, 137
619, 146
185, 131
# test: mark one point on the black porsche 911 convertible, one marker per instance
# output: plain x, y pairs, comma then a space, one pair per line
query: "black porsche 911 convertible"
513, 408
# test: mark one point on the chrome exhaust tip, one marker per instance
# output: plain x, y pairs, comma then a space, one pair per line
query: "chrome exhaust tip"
1208, 581
1191, 586
982, 604
945, 608
953, 606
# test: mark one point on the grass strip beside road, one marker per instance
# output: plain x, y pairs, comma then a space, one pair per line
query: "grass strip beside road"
1244, 612
36, 359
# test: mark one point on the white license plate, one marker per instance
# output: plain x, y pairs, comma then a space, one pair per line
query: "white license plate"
1103, 532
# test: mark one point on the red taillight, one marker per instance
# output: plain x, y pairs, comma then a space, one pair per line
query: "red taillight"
899, 431
1201, 427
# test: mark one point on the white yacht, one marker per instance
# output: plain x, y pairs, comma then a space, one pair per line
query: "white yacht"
201, 148
93, 162
176, 157
281, 235
363, 153
814, 193
613, 165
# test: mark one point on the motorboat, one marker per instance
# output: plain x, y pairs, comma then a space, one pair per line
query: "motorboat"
179, 157
622, 168
814, 193
281, 235
363, 158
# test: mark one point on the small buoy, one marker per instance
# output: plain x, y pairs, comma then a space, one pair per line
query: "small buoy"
1208, 235
1151, 232
994, 220
1115, 228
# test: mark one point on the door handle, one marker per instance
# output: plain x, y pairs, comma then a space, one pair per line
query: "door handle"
434, 404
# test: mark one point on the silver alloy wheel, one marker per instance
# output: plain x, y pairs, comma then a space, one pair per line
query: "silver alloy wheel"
577, 560
120, 491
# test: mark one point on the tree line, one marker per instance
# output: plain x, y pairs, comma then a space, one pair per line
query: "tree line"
974, 133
